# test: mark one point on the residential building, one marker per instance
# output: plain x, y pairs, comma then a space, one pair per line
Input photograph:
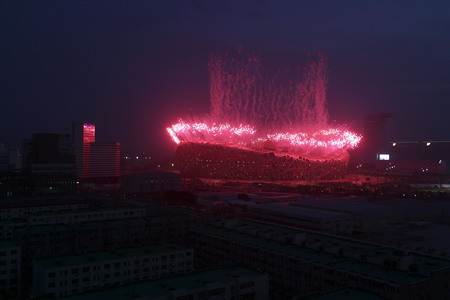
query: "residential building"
20, 208
313, 219
10, 262
367, 218
71, 275
301, 262
228, 283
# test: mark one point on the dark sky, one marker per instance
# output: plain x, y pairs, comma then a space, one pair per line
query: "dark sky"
133, 67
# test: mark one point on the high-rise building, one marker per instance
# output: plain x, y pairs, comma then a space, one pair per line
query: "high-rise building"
83, 134
104, 160
49, 163
47, 148
374, 139
10, 158
374, 135
98, 163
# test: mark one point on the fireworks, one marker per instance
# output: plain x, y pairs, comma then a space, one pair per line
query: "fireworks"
203, 132
244, 135
329, 139
289, 139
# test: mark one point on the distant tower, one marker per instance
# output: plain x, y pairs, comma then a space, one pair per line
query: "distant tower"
83, 134
375, 134
105, 160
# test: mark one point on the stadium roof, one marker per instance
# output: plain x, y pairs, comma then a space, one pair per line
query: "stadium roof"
341, 206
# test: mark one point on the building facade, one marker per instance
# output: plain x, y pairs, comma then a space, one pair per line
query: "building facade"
83, 134
228, 283
73, 275
10, 262
150, 182
300, 262
105, 160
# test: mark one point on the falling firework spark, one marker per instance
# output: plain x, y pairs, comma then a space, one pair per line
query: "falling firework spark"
289, 119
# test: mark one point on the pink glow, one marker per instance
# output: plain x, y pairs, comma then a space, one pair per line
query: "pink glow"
203, 132
173, 135
330, 138
244, 134
288, 111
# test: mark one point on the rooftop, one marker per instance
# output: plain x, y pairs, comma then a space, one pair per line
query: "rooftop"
271, 245
84, 211
271, 238
341, 206
119, 254
377, 272
347, 294
298, 211
7, 244
40, 202
159, 288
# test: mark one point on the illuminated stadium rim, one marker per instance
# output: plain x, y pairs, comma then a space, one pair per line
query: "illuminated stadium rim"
202, 132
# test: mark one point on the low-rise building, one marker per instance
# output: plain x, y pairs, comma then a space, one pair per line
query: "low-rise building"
229, 283
7, 228
150, 182
9, 268
314, 219
366, 217
71, 275
46, 241
19, 208
88, 215
346, 293
301, 262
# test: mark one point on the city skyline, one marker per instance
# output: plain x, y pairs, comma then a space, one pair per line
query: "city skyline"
195, 149
139, 67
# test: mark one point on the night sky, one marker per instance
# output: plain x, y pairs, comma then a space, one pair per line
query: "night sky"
133, 67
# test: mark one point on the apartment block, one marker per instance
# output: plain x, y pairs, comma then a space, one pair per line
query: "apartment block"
301, 262
228, 283
9, 269
71, 275
20, 208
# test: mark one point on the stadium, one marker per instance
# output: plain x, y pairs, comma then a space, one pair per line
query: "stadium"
223, 162
289, 139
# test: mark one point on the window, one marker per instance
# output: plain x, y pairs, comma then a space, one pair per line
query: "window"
215, 292
187, 297
246, 285
247, 296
